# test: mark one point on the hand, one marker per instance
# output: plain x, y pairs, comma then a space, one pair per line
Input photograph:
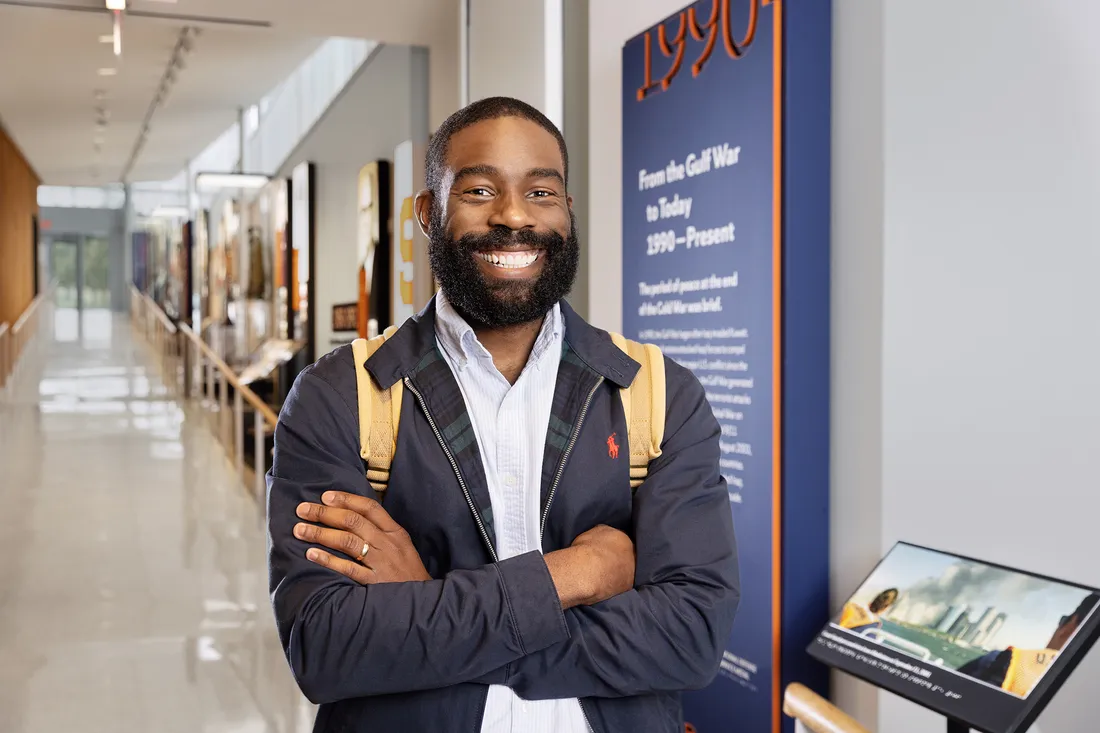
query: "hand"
350, 523
599, 565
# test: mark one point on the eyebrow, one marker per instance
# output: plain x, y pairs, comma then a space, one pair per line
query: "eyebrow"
489, 170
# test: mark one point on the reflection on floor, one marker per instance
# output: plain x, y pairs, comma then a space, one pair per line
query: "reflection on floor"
133, 590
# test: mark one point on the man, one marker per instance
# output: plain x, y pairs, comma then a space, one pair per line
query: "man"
859, 618
512, 581
1017, 670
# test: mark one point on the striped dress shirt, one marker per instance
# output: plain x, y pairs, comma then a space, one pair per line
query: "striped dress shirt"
510, 423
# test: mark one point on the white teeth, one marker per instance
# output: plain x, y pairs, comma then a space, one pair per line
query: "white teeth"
510, 260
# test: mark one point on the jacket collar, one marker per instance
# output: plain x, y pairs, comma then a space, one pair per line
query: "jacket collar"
415, 340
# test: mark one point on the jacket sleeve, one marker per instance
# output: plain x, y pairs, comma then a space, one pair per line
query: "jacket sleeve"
344, 640
668, 633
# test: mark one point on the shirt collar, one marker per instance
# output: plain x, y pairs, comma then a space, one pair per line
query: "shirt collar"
458, 339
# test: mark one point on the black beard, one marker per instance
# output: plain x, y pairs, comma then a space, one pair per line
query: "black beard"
508, 303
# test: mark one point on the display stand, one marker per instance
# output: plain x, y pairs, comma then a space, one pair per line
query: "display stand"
984, 645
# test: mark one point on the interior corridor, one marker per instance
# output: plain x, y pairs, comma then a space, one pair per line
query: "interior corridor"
133, 588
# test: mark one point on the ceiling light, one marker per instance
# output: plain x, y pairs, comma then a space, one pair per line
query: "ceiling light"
171, 212
116, 4
109, 38
211, 181
108, 71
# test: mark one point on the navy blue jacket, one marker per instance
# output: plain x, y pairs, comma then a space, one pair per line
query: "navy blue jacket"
418, 656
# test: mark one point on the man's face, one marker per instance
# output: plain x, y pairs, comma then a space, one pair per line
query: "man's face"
503, 242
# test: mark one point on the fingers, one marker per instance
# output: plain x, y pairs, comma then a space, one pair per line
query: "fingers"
337, 519
334, 539
361, 505
355, 571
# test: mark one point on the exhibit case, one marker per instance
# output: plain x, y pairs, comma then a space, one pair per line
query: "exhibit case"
984, 645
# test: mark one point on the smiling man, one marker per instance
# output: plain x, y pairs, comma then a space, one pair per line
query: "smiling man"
509, 579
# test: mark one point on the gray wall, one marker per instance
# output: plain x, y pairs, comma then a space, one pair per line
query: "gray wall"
576, 131
856, 318
990, 394
67, 223
964, 395
385, 104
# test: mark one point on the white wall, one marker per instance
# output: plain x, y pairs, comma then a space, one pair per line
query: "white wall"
514, 50
990, 387
385, 104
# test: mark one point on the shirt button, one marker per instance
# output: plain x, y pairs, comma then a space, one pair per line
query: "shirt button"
509, 480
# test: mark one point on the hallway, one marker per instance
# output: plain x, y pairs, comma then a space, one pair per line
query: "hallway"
133, 587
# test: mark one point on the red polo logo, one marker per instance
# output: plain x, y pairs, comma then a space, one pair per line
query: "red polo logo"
612, 446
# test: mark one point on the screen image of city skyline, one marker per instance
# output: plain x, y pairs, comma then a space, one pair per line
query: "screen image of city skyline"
975, 603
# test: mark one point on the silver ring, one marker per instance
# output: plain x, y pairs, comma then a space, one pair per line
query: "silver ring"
366, 549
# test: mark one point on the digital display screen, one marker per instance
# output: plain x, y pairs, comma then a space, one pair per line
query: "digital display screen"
980, 643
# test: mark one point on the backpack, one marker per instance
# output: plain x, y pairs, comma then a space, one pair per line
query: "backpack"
380, 410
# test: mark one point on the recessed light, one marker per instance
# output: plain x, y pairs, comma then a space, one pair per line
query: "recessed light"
109, 38
108, 71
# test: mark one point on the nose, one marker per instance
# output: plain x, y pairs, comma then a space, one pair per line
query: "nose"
510, 210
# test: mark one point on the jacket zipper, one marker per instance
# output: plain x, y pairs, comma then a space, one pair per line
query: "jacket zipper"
565, 458
584, 714
454, 465
554, 488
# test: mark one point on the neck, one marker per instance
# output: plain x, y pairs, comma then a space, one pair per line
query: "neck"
510, 346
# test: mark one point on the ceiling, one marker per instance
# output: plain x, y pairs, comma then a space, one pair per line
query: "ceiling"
51, 53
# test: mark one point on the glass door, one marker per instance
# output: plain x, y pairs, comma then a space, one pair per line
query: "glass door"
65, 268
95, 275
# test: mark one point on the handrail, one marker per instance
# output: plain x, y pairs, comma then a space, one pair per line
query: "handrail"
230, 376
185, 357
817, 714
28, 313
15, 338
246, 392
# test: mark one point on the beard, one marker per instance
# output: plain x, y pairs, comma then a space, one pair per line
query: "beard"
494, 304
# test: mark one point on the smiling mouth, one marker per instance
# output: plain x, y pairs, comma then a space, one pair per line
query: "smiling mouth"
510, 260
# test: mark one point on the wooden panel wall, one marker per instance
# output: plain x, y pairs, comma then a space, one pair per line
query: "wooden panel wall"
18, 204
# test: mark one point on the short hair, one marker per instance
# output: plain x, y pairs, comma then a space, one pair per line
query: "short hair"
884, 600
1086, 607
491, 108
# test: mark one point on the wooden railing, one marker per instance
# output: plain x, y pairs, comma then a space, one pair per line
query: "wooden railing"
15, 339
194, 372
816, 714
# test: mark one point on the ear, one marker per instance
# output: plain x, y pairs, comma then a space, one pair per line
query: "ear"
569, 201
422, 206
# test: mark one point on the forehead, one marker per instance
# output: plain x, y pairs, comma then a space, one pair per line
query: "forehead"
506, 143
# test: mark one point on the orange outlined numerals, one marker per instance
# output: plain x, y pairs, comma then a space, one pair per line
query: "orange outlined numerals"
677, 54
733, 48
712, 26
707, 32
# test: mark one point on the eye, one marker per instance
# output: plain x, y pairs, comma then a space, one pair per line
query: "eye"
542, 194
479, 191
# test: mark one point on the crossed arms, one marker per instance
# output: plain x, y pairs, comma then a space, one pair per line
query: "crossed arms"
575, 623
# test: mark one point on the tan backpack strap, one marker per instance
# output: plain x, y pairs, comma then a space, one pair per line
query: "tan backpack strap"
644, 406
379, 414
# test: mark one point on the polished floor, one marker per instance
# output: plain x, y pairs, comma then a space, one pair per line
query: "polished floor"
133, 589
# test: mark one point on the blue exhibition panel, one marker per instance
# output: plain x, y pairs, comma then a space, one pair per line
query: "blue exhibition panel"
726, 267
